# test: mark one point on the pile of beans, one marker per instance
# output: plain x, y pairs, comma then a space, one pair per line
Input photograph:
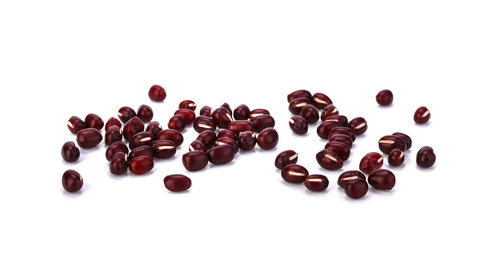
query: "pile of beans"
134, 141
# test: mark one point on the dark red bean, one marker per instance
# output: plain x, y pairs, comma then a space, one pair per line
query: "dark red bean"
348, 176
163, 148
177, 122
118, 164
72, 181
259, 123
70, 152
310, 113
298, 94
76, 124
177, 183
241, 112
426, 157
225, 105
94, 121
132, 127
329, 110
222, 117
294, 173
141, 165
157, 93
246, 140
112, 135
298, 125
154, 127
206, 111
227, 133
268, 138
187, 114
358, 125
321, 100
197, 145
297, 104
240, 126
356, 188
422, 115
342, 130
187, 104
316, 183
112, 121
391, 142
384, 97
329, 160
406, 138
340, 119
396, 157
172, 135
325, 128
258, 112
126, 113
342, 138
145, 113
195, 160
202, 123
116, 147
207, 137
221, 154
285, 158
341, 149
146, 151
371, 162
227, 141
88, 138
382, 179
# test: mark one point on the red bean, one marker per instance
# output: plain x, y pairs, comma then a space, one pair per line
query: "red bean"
310, 113
297, 104
285, 158
132, 127
118, 164
324, 128
141, 165
298, 94
358, 125
206, 111
406, 138
72, 181
391, 142
258, 112
94, 121
356, 188
246, 140
112, 121
340, 119
187, 104
177, 122
422, 115
163, 148
70, 152
116, 148
294, 173
145, 113
202, 123
426, 157
146, 151
259, 123
329, 110
348, 176
141, 139
298, 125
342, 130
382, 179
384, 97
221, 154
177, 183
197, 145
396, 157
207, 137
241, 112
225, 105
227, 133
329, 160
172, 135
187, 114
240, 126
154, 127
126, 113
316, 183
341, 149
268, 138
227, 141
321, 100
157, 93
222, 117
76, 124
342, 138
195, 160
371, 162
88, 138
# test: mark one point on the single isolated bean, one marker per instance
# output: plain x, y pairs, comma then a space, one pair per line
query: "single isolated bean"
391, 142
70, 152
356, 188
195, 160
241, 112
145, 113
246, 140
157, 93
297, 104
187, 104
221, 154
112, 121
259, 123
358, 125
177, 122
76, 124
94, 121
426, 157
207, 137
116, 148
321, 100
422, 115
88, 138
146, 151
187, 114
341, 149
72, 181
172, 135
329, 110
118, 164
298, 125
163, 148
384, 97
126, 113
316, 182
177, 183
113, 134
285, 158
310, 113
298, 94
348, 176
396, 157
329, 160
294, 173
382, 179
371, 162
132, 127
268, 138
141, 165
202, 123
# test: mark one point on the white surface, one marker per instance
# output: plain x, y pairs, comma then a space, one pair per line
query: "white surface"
241, 221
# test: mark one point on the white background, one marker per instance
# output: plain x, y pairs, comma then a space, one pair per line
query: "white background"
241, 221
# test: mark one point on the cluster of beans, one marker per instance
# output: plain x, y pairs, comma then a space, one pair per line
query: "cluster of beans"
341, 135
221, 135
